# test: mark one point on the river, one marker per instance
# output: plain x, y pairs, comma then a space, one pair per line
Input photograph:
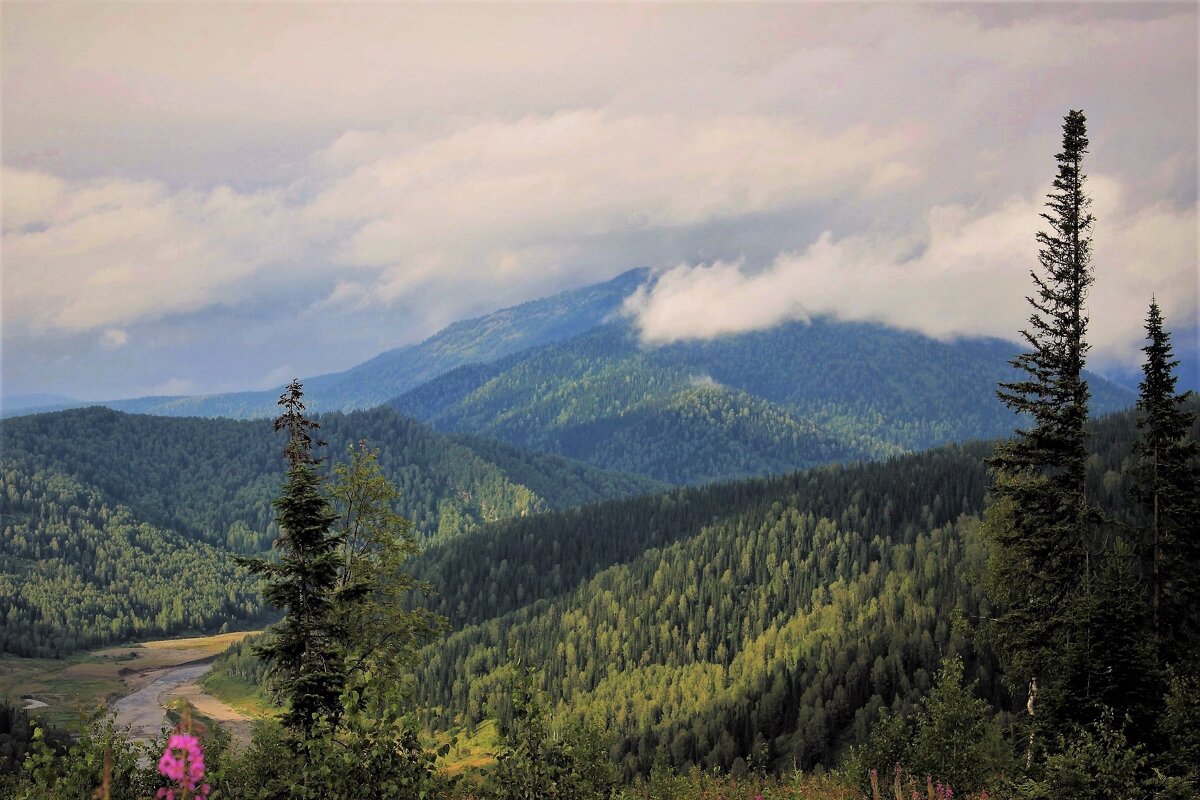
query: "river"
143, 711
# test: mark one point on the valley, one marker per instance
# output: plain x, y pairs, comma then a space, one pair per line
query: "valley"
716, 563
128, 679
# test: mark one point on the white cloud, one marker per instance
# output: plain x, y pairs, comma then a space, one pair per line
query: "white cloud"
587, 173
385, 169
28, 197
174, 386
116, 252
971, 277
703, 381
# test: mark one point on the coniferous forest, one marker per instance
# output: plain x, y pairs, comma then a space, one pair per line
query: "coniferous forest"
681, 572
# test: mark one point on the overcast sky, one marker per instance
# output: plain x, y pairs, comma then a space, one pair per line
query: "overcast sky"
203, 198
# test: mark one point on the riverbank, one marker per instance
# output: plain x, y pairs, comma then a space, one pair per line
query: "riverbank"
72, 689
144, 711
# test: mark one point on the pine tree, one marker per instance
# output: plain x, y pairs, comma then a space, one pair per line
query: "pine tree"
303, 650
1166, 484
1039, 521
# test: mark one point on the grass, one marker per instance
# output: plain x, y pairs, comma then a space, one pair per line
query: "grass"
239, 694
470, 753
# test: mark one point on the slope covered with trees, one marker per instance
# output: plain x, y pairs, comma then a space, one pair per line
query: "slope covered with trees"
213, 479
791, 397
78, 571
764, 618
120, 526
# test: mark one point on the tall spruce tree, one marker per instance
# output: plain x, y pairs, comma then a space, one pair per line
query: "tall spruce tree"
1165, 482
303, 650
1038, 520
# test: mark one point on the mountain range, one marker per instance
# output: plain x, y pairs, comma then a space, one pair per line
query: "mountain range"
569, 375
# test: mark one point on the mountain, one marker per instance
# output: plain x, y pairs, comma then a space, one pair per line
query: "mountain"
764, 402
568, 375
30, 403
394, 372
77, 570
212, 480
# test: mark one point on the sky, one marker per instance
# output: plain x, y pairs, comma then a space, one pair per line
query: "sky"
201, 198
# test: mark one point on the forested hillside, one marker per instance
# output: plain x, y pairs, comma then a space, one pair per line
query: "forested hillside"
213, 479
772, 617
77, 570
760, 403
119, 526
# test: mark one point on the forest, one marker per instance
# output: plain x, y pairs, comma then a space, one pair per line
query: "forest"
108, 517
1016, 617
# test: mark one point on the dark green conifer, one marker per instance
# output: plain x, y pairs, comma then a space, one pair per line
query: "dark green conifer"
1167, 487
303, 650
1039, 522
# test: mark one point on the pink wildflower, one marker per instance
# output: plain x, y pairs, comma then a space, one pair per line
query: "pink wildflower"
183, 763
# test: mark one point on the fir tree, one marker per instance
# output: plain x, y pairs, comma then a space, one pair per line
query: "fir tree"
303, 650
1039, 521
1166, 485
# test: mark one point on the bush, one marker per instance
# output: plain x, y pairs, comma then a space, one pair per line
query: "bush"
1093, 763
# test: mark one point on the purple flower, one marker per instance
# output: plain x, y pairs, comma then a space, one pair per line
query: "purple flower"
183, 763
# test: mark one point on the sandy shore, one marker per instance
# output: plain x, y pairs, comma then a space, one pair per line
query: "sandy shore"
144, 709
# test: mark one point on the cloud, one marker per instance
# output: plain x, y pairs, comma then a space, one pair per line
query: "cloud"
29, 198
102, 254
587, 173
114, 338
342, 180
969, 278
276, 377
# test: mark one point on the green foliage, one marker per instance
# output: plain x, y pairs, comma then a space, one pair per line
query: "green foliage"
886, 748
77, 571
110, 521
958, 740
954, 738
1040, 525
1180, 725
1113, 665
77, 770
378, 635
1096, 762
365, 760
213, 479
771, 617
701, 411
16, 733
536, 763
